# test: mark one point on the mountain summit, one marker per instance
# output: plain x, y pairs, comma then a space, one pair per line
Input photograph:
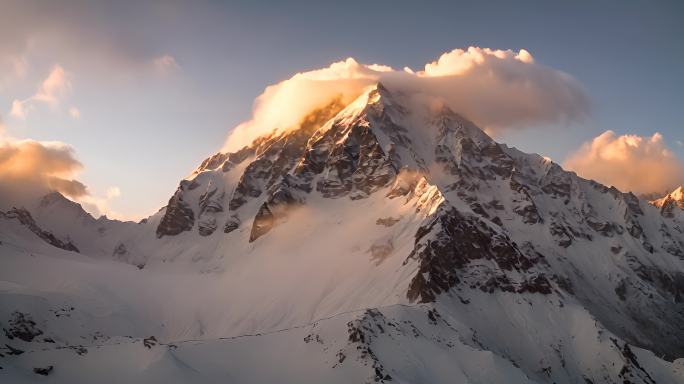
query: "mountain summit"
386, 240
670, 202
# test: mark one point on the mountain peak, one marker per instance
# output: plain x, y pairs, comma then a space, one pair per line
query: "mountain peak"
55, 197
670, 202
678, 194
54, 203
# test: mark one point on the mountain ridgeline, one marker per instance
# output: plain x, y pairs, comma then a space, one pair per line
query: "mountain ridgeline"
394, 224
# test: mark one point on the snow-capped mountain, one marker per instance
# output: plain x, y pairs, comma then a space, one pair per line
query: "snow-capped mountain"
671, 203
387, 240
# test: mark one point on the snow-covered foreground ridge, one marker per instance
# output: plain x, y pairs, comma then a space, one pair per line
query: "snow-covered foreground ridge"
388, 240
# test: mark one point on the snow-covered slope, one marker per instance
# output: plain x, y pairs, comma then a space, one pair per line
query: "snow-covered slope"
388, 240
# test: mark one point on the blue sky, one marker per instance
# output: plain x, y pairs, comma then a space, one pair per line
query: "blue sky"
144, 124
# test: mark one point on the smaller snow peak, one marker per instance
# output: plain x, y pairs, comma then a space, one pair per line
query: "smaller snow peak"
670, 202
54, 198
379, 91
56, 205
678, 194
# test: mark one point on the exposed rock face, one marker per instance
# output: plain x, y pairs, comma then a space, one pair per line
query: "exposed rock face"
232, 224
350, 159
276, 157
22, 327
43, 371
387, 221
210, 204
263, 222
453, 248
179, 216
120, 251
25, 218
362, 333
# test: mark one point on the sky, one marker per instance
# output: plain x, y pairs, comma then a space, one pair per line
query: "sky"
130, 97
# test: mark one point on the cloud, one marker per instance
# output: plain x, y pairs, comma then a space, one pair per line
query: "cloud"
50, 92
29, 169
18, 110
72, 188
113, 192
165, 64
55, 86
82, 35
74, 112
628, 162
497, 89
98, 206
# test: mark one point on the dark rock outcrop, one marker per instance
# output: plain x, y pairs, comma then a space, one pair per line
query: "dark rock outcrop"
43, 371
179, 216
232, 224
449, 242
22, 326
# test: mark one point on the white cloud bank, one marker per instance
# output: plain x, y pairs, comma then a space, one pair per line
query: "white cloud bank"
628, 162
497, 89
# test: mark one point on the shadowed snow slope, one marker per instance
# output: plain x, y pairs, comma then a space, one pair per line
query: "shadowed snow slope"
387, 240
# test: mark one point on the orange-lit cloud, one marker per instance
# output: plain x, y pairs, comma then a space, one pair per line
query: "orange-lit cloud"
497, 89
51, 91
628, 162
30, 169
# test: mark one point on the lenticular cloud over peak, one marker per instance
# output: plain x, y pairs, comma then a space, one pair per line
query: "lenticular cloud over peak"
497, 89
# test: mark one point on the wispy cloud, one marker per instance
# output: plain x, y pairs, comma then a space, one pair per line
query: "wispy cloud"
113, 192
165, 64
51, 91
